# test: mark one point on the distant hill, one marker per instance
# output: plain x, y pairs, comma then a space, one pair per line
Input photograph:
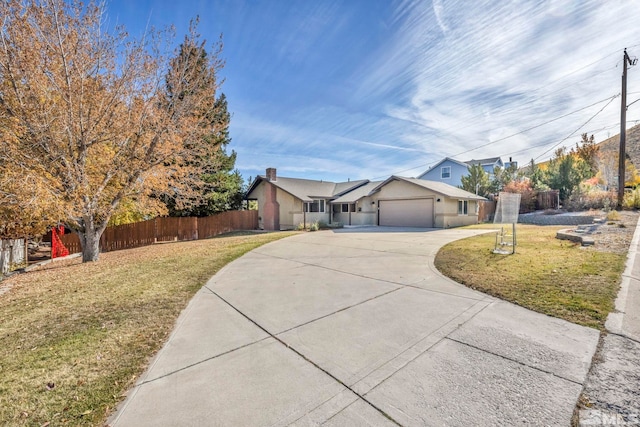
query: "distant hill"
612, 144
632, 145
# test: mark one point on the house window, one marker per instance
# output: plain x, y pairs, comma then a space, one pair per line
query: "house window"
463, 206
348, 207
315, 206
445, 172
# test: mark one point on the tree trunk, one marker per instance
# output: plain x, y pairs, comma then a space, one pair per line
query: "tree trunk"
90, 240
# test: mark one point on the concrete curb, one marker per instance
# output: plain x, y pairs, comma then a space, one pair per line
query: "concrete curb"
615, 318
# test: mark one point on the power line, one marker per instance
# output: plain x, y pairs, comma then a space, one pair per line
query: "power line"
536, 126
423, 165
580, 127
470, 121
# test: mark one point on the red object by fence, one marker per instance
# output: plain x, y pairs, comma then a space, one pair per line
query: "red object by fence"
58, 249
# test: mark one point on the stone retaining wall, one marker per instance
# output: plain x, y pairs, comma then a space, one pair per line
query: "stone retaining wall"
555, 219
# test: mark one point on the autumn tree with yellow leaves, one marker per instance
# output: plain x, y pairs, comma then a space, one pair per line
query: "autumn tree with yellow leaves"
91, 117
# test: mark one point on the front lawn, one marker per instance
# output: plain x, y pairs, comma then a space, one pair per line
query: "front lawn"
547, 275
74, 337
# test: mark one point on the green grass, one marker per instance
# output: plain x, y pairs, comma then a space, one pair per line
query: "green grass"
74, 337
547, 275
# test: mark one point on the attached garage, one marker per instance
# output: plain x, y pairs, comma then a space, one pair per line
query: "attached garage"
411, 202
406, 213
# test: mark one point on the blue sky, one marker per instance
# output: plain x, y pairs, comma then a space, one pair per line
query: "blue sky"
355, 89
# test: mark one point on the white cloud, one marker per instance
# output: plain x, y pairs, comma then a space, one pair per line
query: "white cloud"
504, 67
446, 78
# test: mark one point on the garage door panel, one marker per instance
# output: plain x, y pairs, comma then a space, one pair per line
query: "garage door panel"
407, 213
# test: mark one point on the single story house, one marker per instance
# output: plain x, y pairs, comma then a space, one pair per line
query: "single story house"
284, 203
450, 171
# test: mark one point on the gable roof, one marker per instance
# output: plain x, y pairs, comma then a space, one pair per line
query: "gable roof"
358, 193
483, 162
309, 189
435, 186
446, 159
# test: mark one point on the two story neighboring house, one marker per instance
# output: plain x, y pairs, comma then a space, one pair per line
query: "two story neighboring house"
450, 171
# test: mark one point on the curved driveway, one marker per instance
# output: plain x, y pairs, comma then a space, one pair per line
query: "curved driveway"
355, 327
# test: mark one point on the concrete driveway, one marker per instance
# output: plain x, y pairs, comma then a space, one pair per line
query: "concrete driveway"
355, 327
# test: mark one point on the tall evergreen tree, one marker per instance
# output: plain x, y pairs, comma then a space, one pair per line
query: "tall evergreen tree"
219, 185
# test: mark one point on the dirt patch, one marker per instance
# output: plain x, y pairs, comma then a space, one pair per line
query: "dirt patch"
614, 235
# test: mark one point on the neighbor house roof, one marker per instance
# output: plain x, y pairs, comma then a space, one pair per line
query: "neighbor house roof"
435, 186
483, 162
358, 193
309, 189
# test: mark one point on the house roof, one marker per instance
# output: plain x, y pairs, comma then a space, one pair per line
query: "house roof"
449, 159
308, 189
482, 162
435, 186
358, 193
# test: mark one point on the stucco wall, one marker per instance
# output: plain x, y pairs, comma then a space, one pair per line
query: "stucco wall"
447, 214
366, 213
402, 190
312, 217
258, 193
290, 207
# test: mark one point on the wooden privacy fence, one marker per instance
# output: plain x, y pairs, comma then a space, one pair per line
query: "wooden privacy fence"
167, 230
486, 210
548, 200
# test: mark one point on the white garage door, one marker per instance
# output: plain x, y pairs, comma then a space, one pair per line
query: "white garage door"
407, 213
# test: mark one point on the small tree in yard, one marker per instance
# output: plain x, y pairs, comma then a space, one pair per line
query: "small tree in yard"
88, 113
477, 181
565, 172
536, 177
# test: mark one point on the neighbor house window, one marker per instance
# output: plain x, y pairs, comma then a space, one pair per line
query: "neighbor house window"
463, 206
348, 207
315, 206
445, 172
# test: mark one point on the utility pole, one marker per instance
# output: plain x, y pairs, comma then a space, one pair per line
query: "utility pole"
623, 128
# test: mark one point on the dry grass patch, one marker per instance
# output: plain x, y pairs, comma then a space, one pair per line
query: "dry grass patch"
74, 337
547, 275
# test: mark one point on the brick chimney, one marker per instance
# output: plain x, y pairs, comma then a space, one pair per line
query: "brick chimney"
271, 174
